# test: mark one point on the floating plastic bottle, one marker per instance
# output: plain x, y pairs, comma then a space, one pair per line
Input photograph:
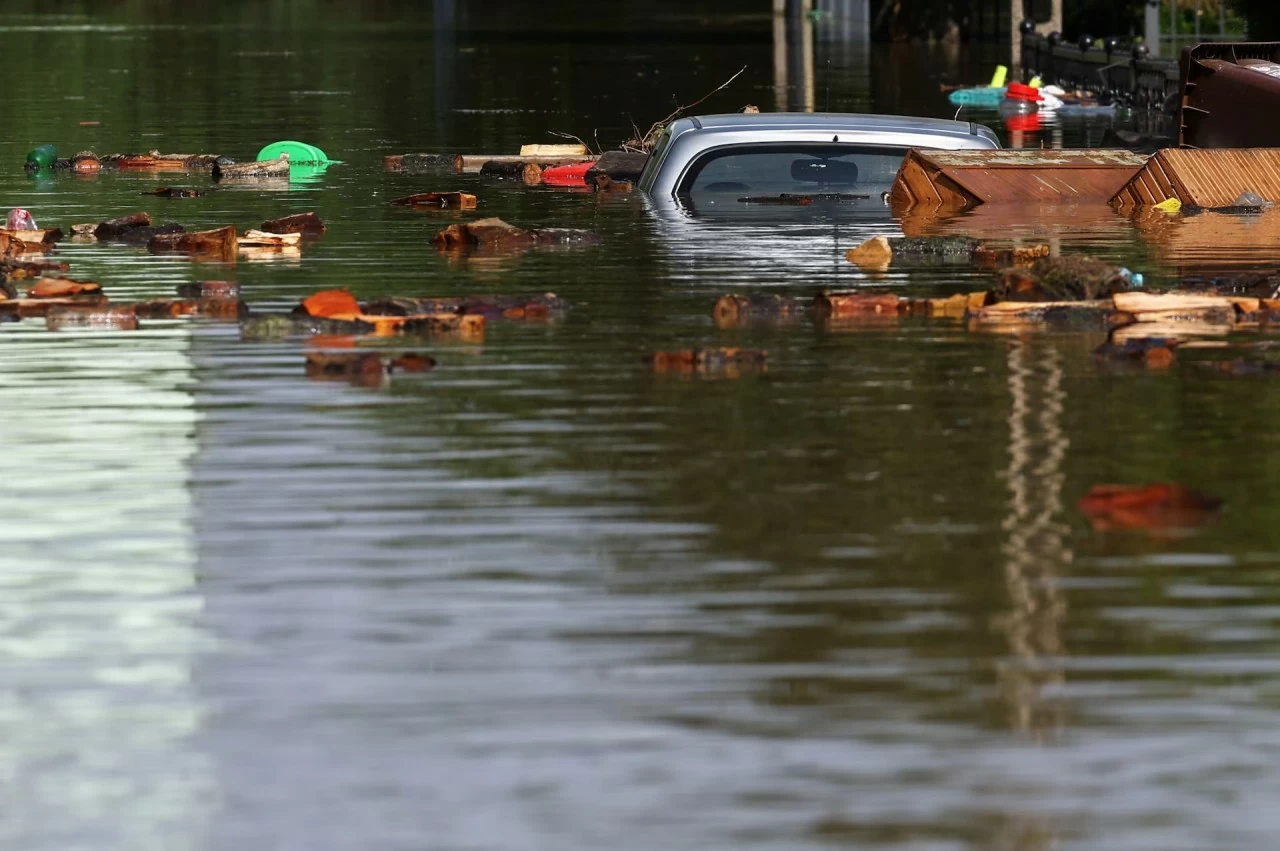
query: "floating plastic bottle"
42, 157
20, 219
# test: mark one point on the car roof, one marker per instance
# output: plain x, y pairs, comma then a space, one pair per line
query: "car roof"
739, 121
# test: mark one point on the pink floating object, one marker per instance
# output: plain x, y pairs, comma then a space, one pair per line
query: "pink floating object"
20, 219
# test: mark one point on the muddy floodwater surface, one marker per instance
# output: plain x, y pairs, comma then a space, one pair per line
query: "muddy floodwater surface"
541, 597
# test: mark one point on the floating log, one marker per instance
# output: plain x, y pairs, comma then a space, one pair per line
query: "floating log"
86, 162
474, 163
1147, 307
725, 362
305, 223
495, 234
96, 318
219, 244
260, 238
276, 326
1204, 178
17, 270
553, 151
535, 307
156, 161
112, 228
418, 162
174, 192
846, 305
742, 311
278, 167
956, 180
62, 288
209, 289
438, 201
619, 165
227, 309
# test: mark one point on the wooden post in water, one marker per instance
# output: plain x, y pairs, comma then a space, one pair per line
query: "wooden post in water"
779, 55
1016, 16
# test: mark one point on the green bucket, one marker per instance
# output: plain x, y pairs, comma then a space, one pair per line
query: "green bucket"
300, 153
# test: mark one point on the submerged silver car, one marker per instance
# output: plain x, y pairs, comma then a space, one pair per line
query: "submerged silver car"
744, 160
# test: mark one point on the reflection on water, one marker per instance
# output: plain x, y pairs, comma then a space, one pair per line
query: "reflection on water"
540, 597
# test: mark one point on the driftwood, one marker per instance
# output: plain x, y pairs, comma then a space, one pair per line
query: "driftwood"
97, 318
724, 362
495, 234
218, 244
438, 201
226, 309
278, 167
576, 150
411, 163
743, 311
263, 239
527, 307
620, 165
276, 326
475, 163
209, 289
305, 223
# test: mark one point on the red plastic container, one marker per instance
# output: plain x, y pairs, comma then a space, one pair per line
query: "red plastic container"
1021, 91
567, 175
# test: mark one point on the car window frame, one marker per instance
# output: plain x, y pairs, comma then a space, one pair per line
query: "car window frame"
696, 164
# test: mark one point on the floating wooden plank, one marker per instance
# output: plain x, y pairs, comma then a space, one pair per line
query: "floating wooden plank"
1203, 178
553, 150
438, 201
260, 238
473, 163
961, 179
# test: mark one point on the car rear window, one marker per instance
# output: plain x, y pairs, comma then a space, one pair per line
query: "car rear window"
793, 169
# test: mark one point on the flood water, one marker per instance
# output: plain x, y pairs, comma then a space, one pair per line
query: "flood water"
540, 597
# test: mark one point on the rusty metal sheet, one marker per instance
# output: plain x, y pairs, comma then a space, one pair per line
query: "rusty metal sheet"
960, 179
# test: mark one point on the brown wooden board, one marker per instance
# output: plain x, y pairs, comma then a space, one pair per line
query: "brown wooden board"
1204, 178
961, 179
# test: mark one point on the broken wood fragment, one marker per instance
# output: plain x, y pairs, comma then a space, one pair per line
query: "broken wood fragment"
275, 326
438, 201
261, 238
112, 228
553, 151
619, 165
305, 223
276, 168
174, 192
743, 311
495, 234
96, 318
845, 305
62, 288
217, 244
724, 362
418, 162
474, 163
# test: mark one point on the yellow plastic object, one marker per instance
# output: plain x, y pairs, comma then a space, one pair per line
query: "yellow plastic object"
1036, 83
1169, 205
998, 78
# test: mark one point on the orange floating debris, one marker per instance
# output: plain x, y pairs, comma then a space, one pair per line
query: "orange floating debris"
62, 288
331, 304
1160, 506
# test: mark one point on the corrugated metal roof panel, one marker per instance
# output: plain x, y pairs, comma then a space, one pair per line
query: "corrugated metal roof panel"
1205, 178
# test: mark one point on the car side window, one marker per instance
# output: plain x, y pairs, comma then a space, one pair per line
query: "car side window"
792, 169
